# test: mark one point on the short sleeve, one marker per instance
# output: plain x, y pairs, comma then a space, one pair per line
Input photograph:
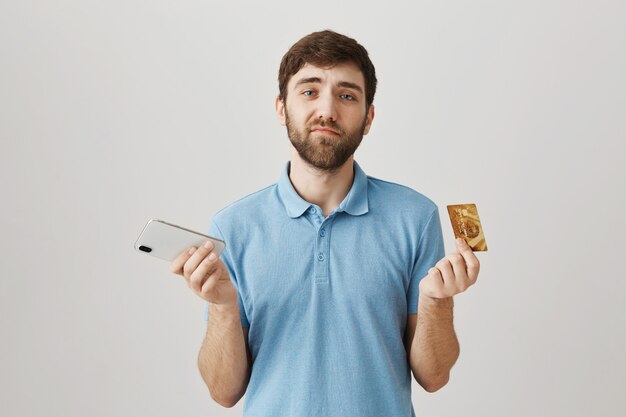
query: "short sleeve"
226, 257
430, 250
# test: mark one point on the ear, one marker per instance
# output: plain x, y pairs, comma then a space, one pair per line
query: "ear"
369, 120
280, 110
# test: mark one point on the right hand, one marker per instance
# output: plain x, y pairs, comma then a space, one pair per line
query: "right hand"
206, 274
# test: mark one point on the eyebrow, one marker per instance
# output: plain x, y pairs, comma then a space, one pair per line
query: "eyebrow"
353, 86
345, 84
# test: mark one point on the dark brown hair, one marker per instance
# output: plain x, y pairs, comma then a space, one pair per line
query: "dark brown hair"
325, 49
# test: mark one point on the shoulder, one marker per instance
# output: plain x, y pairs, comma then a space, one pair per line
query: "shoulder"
392, 195
252, 204
248, 212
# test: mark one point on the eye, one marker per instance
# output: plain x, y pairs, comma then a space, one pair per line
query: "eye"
347, 96
308, 93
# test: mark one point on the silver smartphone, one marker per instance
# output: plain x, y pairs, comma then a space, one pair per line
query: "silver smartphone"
166, 241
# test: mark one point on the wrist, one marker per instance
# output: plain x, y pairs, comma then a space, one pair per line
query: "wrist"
225, 308
431, 304
435, 300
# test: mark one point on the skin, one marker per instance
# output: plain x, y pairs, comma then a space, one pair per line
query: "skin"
326, 117
310, 107
224, 359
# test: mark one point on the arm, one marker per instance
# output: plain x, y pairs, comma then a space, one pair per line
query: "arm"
431, 343
224, 358
432, 346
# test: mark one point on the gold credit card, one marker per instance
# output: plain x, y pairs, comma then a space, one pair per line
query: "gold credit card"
466, 224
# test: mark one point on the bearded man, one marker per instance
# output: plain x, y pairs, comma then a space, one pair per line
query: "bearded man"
333, 287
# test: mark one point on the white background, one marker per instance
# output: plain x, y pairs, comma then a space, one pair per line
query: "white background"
115, 112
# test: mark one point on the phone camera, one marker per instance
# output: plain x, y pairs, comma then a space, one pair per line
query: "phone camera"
145, 249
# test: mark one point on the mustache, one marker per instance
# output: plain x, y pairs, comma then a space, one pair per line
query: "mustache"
328, 124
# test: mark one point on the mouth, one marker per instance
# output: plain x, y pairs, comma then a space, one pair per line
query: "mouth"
325, 131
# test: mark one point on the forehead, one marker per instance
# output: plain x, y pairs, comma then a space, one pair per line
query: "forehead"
345, 71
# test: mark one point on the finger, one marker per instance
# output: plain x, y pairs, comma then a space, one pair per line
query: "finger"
433, 284
193, 262
471, 261
203, 272
177, 264
460, 272
458, 266
447, 275
208, 286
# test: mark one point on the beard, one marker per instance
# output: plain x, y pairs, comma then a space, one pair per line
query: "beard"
325, 152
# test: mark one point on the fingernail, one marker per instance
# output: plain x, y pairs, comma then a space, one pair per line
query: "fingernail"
460, 241
208, 244
212, 256
191, 250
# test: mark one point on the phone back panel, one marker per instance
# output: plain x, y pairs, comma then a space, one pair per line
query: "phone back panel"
166, 241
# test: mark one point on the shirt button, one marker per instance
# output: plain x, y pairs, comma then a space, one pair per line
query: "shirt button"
322, 232
312, 210
320, 256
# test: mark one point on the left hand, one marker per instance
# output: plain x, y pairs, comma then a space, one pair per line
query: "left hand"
453, 274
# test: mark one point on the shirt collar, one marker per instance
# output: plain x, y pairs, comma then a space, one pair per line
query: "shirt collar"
355, 202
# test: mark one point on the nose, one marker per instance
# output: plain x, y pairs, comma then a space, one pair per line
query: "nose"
327, 107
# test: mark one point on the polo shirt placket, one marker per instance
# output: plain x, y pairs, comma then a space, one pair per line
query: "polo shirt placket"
321, 254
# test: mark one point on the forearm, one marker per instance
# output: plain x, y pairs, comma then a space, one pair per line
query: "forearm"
435, 346
223, 360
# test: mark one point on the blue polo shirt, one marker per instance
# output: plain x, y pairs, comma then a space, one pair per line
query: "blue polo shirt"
326, 299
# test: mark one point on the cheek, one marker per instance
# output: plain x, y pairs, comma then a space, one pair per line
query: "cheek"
299, 116
356, 119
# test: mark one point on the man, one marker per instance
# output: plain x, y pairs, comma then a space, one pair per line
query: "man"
333, 286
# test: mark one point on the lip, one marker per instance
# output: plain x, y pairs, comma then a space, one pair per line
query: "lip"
324, 130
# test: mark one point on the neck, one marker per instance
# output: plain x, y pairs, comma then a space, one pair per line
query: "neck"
323, 188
